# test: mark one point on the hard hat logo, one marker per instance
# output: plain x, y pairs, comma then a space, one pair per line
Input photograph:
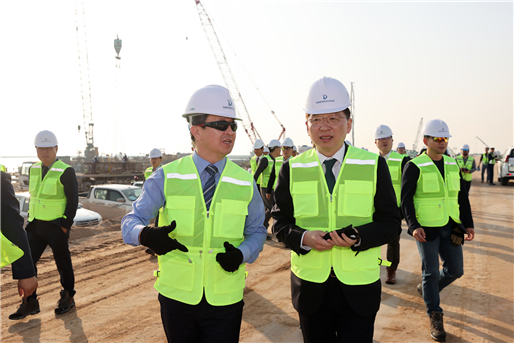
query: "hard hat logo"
325, 97
229, 102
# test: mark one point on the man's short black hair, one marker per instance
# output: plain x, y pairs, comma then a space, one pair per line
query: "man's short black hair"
197, 120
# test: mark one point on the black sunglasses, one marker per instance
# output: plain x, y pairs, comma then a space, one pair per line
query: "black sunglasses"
221, 125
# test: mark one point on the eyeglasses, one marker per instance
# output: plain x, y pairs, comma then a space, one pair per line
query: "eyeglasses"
439, 139
221, 125
465, 149
384, 138
332, 121
286, 148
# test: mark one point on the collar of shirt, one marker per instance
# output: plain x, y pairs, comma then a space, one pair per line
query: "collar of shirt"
388, 155
154, 169
339, 156
201, 164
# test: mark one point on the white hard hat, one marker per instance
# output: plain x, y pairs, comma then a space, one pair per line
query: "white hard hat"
212, 99
327, 95
348, 142
401, 145
274, 143
294, 148
436, 128
258, 144
266, 149
45, 139
465, 147
383, 131
288, 142
155, 153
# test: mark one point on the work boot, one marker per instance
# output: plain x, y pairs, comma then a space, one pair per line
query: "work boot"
436, 327
482, 181
65, 303
391, 276
420, 289
492, 184
28, 306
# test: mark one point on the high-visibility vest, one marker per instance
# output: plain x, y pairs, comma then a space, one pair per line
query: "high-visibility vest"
10, 252
485, 160
352, 202
3, 168
254, 166
267, 172
278, 163
394, 162
148, 172
492, 160
47, 198
469, 164
186, 277
436, 200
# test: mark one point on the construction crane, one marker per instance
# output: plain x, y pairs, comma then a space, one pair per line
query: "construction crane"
486, 145
85, 86
226, 72
415, 144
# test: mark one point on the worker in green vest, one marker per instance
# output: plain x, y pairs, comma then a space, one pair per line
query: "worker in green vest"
491, 161
155, 161
258, 150
396, 162
467, 165
484, 162
287, 152
400, 148
437, 211
335, 275
265, 152
53, 203
210, 228
295, 151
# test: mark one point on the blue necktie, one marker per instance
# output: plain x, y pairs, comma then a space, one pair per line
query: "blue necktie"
329, 175
210, 185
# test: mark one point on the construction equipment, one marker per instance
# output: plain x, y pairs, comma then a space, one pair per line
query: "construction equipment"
486, 145
416, 141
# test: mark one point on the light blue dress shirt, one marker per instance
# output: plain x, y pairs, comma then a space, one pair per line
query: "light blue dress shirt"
152, 199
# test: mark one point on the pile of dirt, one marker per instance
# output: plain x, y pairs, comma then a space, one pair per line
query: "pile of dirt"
109, 225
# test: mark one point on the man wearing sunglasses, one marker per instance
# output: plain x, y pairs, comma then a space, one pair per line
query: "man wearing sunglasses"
210, 227
436, 207
467, 165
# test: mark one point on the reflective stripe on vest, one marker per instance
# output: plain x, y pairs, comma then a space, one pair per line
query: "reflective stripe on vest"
436, 200
47, 198
278, 163
485, 160
267, 172
394, 162
352, 202
185, 277
9, 252
468, 165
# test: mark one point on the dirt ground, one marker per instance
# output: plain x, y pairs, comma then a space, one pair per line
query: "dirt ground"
116, 301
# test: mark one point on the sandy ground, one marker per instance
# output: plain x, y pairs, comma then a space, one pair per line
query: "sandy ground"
116, 301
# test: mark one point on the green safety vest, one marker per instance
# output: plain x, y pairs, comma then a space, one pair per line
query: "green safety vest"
264, 177
9, 252
254, 165
352, 202
436, 200
278, 163
394, 162
47, 198
469, 164
3, 168
485, 160
148, 172
186, 277
492, 160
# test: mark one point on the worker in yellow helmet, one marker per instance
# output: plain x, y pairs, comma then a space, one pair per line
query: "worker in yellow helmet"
335, 279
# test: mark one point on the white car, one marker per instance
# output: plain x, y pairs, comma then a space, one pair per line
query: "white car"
506, 167
83, 217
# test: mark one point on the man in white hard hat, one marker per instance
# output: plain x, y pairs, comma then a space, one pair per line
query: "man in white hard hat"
436, 207
335, 279
295, 151
484, 161
287, 152
53, 203
211, 226
265, 151
155, 161
258, 149
400, 148
491, 161
396, 163
467, 165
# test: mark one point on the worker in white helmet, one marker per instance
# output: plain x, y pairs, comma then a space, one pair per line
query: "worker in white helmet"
295, 151
437, 211
484, 161
287, 152
266, 151
155, 161
400, 148
54, 199
467, 165
335, 279
211, 226
258, 150
396, 163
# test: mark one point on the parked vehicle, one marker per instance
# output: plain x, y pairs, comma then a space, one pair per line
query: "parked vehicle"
138, 184
83, 217
110, 201
24, 175
506, 167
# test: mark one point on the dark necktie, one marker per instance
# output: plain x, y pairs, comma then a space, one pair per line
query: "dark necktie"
329, 175
44, 170
257, 162
210, 185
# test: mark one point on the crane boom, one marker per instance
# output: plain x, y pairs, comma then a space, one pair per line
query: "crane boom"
482, 142
226, 72
415, 144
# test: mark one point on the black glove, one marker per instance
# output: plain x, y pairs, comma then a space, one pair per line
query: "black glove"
158, 239
457, 236
349, 231
231, 259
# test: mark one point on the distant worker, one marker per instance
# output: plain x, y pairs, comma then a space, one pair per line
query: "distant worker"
484, 161
266, 151
210, 228
400, 148
438, 214
467, 165
491, 161
258, 149
155, 161
54, 199
396, 162
287, 152
15, 249
295, 151
124, 161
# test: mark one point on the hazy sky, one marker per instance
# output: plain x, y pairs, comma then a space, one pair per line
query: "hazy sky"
407, 60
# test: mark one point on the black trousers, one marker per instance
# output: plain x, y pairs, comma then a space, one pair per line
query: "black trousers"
41, 234
490, 172
268, 205
335, 321
468, 185
202, 322
393, 253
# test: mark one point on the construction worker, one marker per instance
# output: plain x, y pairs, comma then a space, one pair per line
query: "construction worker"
265, 151
15, 247
258, 149
400, 148
491, 161
287, 152
210, 228
295, 151
53, 203
484, 161
155, 160
438, 214
335, 279
467, 165
396, 163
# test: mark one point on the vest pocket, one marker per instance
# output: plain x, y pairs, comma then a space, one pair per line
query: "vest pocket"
49, 186
364, 260
305, 198
430, 183
33, 183
225, 282
454, 208
311, 260
180, 271
231, 216
394, 171
181, 209
454, 183
357, 198
429, 211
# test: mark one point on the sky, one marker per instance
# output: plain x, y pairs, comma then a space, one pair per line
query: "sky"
406, 60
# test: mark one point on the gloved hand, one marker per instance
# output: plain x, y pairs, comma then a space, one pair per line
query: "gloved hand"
349, 231
231, 259
457, 236
158, 239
